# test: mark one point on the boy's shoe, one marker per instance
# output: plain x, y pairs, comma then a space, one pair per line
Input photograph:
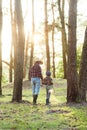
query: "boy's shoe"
47, 101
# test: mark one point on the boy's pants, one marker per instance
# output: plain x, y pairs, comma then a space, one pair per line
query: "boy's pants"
48, 93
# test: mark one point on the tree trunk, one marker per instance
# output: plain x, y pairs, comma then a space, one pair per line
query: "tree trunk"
0, 47
72, 82
83, 71
11, 59
26, 44
26, 56
46, 38
53, 25
18, 54
33, 30
64, 39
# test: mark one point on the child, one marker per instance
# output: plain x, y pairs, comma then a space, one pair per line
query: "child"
49, 85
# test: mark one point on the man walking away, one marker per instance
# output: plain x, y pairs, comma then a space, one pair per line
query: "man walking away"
35, 74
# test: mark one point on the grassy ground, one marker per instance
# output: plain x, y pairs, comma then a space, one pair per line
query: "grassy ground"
57, 116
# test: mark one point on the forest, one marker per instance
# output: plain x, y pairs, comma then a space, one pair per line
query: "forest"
55, 32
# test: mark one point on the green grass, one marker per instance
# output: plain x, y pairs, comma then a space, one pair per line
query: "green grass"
57, 116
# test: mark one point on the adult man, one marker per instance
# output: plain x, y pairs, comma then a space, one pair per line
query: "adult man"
35, 74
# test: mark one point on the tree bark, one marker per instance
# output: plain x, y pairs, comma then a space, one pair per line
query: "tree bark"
53, 25
63, 33
1, 47
18, 54
33, 30
11, 58
72, 81
46, 38
83, 71
26, 56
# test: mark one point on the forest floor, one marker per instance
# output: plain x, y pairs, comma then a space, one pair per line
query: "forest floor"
56, 116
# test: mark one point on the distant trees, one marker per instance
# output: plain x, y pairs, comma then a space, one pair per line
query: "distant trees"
46, 37
53, 50
11, 49
61, 5
33, 31
1, 47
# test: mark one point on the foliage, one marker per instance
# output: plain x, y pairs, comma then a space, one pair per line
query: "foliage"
5, 74
4, 79
59, 69
58, 115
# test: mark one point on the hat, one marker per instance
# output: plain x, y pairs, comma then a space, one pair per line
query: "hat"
48, 73
39, 62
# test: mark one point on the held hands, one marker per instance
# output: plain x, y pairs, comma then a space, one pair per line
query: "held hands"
42, 83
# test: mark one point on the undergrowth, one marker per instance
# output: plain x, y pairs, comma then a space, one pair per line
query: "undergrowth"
56, 116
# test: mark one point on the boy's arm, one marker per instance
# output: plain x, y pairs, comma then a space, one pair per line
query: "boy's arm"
51, 82
44, 81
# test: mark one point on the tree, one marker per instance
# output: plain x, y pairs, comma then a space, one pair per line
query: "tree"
33, 29
11, 58
83, 71
18, 53
26, 55
63, 33
0, 47
46, 38
72, 81
53, 26
27, 37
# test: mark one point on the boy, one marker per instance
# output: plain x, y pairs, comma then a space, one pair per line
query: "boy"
49, 85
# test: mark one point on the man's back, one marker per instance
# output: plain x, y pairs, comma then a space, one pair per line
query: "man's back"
35, 71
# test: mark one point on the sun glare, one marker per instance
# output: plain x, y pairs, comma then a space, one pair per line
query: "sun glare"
6, 42
6, 31
27, 13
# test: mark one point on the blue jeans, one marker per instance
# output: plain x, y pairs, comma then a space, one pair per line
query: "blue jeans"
35, 82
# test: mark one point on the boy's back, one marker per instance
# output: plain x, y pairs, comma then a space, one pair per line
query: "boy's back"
47, 81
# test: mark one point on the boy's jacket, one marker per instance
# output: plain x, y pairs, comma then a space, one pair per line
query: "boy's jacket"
47, 81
